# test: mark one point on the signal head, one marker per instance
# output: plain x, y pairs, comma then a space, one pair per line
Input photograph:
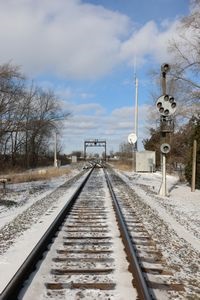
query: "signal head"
165, 68
166, 105
165, 148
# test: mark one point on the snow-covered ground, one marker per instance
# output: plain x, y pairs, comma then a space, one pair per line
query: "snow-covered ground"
21, 196
174, 223
27, 208
181, 208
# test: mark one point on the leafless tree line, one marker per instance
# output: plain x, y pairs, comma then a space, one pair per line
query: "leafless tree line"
183, 80
185, 73
27, 119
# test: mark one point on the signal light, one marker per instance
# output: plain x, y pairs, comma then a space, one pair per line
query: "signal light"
173, 105
165, 68
166, 112
165, 148
166, 97
161, 110
159, 105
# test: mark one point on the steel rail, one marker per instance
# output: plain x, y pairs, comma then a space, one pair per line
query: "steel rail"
13, 288
142, 288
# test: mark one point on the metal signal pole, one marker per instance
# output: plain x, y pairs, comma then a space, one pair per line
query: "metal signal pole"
166, 106
163, 188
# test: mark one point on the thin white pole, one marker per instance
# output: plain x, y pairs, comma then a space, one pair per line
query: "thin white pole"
194, 159
136, 110
55, 152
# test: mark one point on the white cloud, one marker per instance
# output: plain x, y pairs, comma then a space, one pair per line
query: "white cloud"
149, 42
67, 37
85, 108
74, 39
85, 96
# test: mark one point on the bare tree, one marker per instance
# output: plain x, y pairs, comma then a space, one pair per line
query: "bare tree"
125, 151
185, 51
183, 83
11, 90
29, 117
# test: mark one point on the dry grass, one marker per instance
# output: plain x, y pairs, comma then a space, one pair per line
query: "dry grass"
36, 175
123, 165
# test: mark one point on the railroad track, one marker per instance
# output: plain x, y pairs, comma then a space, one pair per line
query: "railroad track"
158, 276
86, 259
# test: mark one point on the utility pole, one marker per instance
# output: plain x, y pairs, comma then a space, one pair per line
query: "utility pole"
136, 111
133, 137
135, 145
55, 151
194, 159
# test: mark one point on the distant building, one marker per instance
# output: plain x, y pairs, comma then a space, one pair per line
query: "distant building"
145, 161
74, 159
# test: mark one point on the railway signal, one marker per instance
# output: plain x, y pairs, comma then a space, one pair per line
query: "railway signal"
165, 148
166, 106
94, 143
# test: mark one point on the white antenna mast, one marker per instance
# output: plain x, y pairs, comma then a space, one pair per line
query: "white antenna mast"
136, 103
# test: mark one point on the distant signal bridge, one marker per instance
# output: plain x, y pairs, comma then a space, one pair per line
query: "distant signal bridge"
94, 143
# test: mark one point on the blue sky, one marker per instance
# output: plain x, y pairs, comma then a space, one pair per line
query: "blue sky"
85, 52
142, 11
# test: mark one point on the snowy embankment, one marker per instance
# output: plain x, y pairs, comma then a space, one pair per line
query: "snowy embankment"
174, 223
180, 209
26, 212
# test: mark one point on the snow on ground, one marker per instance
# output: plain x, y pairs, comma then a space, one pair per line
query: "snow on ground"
20, 196
181, 208
30, 217
173, 222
